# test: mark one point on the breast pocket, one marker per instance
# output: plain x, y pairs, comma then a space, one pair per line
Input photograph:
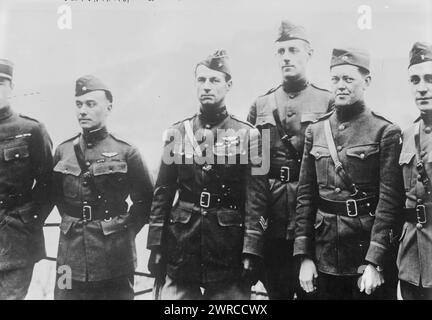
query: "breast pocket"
408, 168
17, 158
322, 161
69, 174
363, 163
267, 122
111, 176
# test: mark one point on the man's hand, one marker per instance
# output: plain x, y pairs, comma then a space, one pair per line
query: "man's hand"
250, 269
156, 264
371, 279
308, 274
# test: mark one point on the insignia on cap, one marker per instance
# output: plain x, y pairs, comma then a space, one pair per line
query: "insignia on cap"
420, 52
217, 61
289, 31
351, 56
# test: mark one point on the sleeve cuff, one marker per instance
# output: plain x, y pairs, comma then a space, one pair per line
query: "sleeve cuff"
303, 246
253, 243
376, 253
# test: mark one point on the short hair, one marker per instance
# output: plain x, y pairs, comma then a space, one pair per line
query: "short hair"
227, 76
363, 71
109, 96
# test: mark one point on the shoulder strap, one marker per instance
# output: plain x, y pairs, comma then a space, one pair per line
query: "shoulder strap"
191, 137
285, 138
338, 164
420, 164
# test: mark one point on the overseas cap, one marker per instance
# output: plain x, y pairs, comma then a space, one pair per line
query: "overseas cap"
420, 52
289, 31
88, 84
218, 61
352, 56
6, 69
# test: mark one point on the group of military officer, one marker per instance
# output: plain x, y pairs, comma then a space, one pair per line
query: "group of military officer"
344, 211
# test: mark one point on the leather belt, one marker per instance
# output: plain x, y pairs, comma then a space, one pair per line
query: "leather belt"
14, 200
206, 200
419, 214
349, 208
88, 212
284, 174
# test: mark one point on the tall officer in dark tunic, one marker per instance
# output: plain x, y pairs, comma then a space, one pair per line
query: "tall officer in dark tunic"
95, 172
350, 190
286, 111
415, 250
211, 236
25, 182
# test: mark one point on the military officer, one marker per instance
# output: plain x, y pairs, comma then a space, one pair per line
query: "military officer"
286, 111
25, 182
94, 173
415, 250
211, 236
349, 193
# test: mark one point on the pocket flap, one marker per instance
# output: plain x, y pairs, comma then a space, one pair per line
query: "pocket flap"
28, 213
406, 157
229, 218
310, 117
67, 168
362, 152
182, 213
17, 152
265, 119
109, 167
116, 224
66, 223
319, 152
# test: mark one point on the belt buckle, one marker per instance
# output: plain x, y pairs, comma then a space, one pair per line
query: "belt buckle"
87, 212
205, 199
421, 214
351, 205
284, 174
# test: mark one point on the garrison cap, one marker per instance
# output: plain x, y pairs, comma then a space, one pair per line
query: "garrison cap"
88, 84
289, 31
6, 69
352, 56
217, 61
420, 52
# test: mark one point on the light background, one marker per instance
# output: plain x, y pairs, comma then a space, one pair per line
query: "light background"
146, 52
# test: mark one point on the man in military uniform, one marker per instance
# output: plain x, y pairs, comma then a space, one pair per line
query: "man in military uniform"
349, 193
415, 250
286, 111
94, 173
25, 182
211, 236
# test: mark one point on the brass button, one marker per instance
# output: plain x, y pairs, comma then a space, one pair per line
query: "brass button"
89, 145
337, 190
290, 114
362, 156
204, 212
341, 127
106, 211
419, 226
208, 126
35, 216
339, 148
419, 201
17, 155
85, 183
427, 130
88, 163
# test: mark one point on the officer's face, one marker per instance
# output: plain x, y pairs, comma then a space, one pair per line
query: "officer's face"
5, 91
420, 77
212, 86
293, 56
92, 110
348, 84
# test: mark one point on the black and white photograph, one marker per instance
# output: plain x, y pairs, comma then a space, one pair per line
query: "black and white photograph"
228, 151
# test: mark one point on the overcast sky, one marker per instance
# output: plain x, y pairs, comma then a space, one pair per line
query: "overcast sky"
147, 50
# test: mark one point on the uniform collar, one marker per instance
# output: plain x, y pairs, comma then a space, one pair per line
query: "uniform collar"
213, 117
294, 87
5, 112
427, 118
95, 135
347, 113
